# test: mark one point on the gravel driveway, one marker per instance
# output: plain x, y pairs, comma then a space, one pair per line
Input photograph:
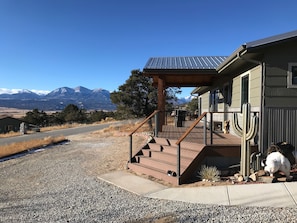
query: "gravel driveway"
60, 184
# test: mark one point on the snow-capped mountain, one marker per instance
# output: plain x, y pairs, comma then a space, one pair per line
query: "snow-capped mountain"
57, 99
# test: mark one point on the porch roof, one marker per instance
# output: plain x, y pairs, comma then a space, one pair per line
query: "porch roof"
183, 71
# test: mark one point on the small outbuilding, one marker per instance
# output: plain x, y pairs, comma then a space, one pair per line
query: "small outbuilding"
8, 124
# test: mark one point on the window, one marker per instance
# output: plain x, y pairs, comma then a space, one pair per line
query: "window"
227, 93
292, 75
213, 100
244, 89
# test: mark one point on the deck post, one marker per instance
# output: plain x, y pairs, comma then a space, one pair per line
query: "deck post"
178, 162
204, 129
130, 152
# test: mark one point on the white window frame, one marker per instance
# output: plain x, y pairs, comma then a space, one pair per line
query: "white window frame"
290, 83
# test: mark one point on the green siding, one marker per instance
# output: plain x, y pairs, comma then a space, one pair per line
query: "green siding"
277, 60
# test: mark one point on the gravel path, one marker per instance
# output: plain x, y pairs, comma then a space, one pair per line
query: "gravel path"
60, 184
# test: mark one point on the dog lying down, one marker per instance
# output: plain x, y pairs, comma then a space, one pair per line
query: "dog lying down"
276, 161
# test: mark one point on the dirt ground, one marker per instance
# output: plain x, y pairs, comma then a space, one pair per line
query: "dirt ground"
115, 155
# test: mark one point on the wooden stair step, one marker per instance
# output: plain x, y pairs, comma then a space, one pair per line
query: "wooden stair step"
170, 158
151, 171
187, 145
155, 146
161, 141
159, 164
189, 153
146, 152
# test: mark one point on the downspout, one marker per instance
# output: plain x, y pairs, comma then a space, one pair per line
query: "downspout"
262, 109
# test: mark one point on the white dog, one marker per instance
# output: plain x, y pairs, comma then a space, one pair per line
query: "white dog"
276, 161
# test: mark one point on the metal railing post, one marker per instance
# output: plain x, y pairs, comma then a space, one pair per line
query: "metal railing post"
178, 162
130, 153
211, 128
156, 124
205, 130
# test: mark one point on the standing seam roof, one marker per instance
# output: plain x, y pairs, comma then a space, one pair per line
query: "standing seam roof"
195, 62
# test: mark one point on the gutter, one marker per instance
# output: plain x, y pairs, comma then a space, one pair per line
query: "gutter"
231, 59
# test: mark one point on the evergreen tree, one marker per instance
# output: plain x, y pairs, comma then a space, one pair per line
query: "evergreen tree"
136, 98
36, 117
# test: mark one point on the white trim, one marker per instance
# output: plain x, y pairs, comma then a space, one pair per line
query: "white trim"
289, 76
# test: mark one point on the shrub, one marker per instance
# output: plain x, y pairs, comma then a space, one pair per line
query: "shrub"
209, 173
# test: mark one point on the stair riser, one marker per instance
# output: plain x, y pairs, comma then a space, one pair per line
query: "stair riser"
154, 146
156, 174
184, 152
170, 158
146, 152
161, 141
163, 167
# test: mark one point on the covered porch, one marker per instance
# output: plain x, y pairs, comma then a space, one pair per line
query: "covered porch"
180, 72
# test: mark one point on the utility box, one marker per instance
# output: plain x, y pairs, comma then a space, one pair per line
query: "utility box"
180, 117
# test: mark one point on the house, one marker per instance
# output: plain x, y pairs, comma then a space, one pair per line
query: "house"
8, 124
264, 74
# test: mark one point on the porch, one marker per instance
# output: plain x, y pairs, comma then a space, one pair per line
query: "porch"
176, 154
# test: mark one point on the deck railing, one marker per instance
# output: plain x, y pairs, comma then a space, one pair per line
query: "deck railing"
203, 115
156, 130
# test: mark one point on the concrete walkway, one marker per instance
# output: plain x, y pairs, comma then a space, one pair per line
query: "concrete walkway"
261, 195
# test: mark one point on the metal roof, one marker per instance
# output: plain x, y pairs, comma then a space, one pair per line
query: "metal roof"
250, 50
185, 63
272, 39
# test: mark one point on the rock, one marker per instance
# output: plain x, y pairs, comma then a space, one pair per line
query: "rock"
254, 176
261, 173
238, 177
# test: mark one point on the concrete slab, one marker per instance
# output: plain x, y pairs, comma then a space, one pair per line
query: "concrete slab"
132, 183
203, 195
261, 195
292, 189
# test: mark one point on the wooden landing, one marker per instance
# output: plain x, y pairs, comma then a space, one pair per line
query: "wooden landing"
197, 135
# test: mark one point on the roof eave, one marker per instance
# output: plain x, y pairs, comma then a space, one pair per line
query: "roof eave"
232, 58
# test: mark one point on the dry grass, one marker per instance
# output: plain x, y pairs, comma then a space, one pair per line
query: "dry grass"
9, 134
125, 129
15, 148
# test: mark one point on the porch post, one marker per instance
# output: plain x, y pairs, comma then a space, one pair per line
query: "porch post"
161, 102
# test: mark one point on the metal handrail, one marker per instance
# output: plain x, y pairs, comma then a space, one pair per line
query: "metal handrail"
191, 128
155, 113
178, 142
143, 122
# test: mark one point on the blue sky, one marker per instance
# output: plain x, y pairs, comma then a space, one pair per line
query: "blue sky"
46, 44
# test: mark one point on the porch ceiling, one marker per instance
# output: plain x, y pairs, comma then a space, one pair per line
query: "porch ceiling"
183, 78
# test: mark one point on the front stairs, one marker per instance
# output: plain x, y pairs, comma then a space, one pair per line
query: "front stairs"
158, 158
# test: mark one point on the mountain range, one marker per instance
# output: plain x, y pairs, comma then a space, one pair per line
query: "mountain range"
58, 99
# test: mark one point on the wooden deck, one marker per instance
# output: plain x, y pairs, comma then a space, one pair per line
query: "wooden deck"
197, 135
160, 155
